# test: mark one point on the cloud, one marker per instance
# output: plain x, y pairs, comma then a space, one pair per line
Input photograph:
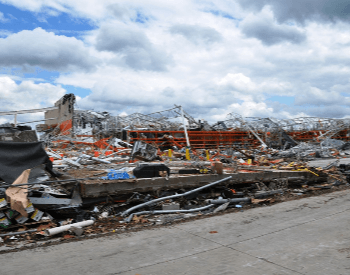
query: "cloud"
133, 46
39, 48
303, 10
2, 18
121, 12
238, 82
168, 92
334, 111
146, 56
27, 95
263, 27
4, 33
243, 87
147, 92
101, 10
318, 97
54, 7
197, 34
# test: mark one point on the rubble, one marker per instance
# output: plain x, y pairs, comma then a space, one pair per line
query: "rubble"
94, 173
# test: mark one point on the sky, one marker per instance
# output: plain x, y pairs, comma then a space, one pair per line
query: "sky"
256, 58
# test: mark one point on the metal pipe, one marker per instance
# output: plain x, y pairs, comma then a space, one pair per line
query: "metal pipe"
268, 193
56, 230
37, 120
185, 129
126, 212
251, 129
235, 200
60, 166
168, 211
63, 158
18, 233
109, 145
101, 160
28, 111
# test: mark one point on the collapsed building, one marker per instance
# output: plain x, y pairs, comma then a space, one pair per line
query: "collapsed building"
92, 168
159, 128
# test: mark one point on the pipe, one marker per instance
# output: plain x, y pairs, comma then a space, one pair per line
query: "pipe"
251, 129
168, 211
126, 212
268, 193
64, 159
95, 159
56, 230
101, 160
18, 233
121, 151
235, 200
185, 129
15, 120
59, 166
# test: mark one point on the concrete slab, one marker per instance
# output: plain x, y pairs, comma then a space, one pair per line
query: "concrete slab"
303, 249
98, 188
107, 254
222, 260
252, 223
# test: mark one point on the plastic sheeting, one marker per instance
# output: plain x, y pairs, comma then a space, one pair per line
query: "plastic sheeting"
15, 157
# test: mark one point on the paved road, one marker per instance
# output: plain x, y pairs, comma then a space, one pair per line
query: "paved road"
307, 236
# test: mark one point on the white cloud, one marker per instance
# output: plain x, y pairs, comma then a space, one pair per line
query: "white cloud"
303, 11
39, 48
4, 33
3, 19
26, 95
197, 34
211, 57
317, 97
263, 27
132, 47
97, 10
238, 82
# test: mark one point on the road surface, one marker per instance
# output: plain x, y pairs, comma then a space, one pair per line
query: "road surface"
306, 236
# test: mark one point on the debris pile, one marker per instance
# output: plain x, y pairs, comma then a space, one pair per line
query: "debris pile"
93, 173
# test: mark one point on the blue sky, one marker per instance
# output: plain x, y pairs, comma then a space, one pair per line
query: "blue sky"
17, 20
254, 58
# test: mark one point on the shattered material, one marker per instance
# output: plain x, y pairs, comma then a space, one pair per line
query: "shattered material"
143, 151
105, 168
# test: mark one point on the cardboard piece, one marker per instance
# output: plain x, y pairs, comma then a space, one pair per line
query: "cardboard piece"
17, 196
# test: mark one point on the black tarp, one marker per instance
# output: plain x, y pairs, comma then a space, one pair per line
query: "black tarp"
15, 157
150, 170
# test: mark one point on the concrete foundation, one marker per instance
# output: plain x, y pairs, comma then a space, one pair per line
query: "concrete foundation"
101, 187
